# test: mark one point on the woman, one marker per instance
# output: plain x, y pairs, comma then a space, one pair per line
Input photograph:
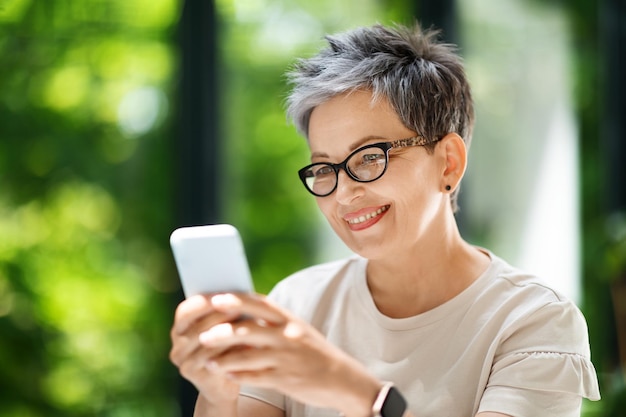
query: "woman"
418, 322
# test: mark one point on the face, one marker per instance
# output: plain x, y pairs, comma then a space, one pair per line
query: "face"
395, 213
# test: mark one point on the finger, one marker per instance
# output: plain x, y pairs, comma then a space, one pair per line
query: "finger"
252, 305
250, 332
186, 343
200, 363
188, 351
245, 359
210, 320
182, 348
189, 311
193, 364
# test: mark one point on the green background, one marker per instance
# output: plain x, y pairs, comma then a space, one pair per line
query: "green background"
87, 197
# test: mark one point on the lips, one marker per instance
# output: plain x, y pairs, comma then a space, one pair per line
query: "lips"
365, 218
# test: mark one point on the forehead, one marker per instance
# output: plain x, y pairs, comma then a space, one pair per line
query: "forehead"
352, 116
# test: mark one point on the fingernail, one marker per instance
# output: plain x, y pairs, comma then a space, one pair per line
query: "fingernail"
205, 338
225, 301
219, 331
212, 366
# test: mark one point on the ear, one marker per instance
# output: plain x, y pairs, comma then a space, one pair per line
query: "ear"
455, 153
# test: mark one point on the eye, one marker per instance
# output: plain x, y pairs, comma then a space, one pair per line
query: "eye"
323, 171
372, 158
369, 159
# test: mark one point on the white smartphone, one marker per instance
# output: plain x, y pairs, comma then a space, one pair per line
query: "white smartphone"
211, 259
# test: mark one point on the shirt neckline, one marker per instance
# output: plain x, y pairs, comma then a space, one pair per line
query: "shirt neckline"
455, 305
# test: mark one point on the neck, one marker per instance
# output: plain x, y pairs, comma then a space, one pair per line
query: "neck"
426, 275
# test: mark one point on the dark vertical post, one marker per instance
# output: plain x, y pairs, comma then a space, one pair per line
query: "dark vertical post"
196, 148
440, 14
613, 138
613, 122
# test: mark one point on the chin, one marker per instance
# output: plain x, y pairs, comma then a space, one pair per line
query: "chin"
360, 242
367, 248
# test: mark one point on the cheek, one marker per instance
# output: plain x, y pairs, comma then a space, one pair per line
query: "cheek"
403, 180
325, 205
329, 209
414, 191
414, 175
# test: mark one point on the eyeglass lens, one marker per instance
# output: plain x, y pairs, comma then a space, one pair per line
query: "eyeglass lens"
364, 165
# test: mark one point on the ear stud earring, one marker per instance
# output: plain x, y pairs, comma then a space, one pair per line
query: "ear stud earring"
448, 188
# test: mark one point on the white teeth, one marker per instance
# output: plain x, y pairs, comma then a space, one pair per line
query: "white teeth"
368, 216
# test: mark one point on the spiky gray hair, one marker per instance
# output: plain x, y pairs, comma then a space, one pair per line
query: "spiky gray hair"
422, 78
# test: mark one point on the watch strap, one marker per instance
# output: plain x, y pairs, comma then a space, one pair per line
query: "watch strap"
389, 402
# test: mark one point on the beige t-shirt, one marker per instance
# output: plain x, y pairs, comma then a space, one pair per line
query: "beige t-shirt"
508, 343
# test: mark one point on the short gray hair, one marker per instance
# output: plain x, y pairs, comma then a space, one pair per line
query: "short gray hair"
422, 78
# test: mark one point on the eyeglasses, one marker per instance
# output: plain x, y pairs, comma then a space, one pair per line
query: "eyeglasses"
365, 164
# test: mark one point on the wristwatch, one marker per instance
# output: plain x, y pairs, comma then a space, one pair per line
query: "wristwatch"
389, 402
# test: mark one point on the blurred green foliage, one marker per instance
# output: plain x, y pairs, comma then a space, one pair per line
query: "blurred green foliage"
85, 277
87, 287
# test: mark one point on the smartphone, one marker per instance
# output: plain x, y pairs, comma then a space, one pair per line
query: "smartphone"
211, 259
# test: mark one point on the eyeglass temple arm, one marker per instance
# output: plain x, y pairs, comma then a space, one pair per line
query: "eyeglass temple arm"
414, 141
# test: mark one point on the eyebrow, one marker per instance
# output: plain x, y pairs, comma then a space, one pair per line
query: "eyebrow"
354, 145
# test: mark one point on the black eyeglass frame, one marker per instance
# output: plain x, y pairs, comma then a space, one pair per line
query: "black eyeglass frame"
384, 146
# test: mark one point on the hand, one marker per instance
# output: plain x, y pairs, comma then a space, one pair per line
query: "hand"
194, 316
286, 354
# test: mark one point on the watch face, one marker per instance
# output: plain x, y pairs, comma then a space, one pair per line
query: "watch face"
394, 405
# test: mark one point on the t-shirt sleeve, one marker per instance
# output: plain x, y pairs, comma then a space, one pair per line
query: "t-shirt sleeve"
542, 366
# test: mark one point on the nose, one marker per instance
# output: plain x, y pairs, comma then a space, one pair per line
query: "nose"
347, 189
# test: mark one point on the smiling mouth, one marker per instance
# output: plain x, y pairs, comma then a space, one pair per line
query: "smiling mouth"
368, 216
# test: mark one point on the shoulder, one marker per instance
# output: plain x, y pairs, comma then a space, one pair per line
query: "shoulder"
516, 282
532, 312
518, 289
540, 339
